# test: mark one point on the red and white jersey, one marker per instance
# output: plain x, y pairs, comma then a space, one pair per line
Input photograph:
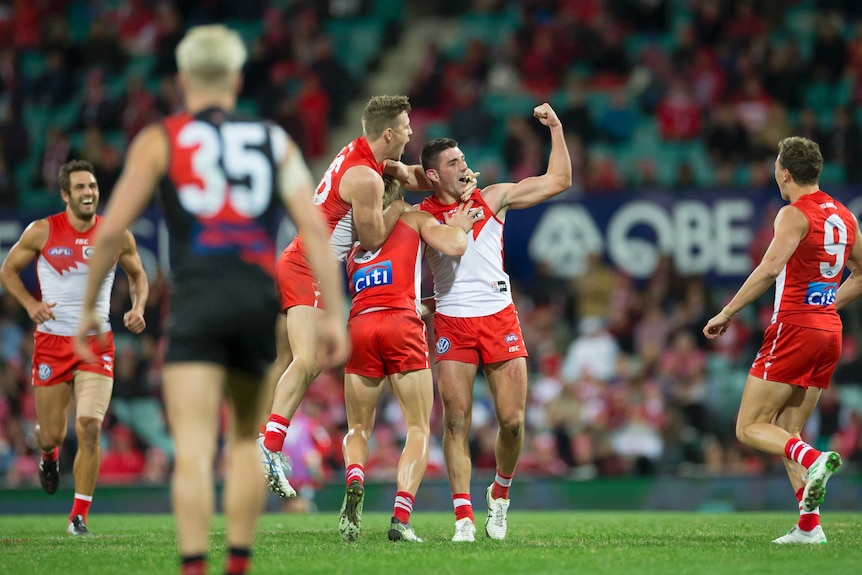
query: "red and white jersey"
805, 289
61, 268
336, 212
475, 284
389, 278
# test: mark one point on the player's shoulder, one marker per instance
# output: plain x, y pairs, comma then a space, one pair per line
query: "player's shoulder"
36, 234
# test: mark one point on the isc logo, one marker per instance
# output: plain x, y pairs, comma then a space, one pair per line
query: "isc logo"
378, 274
821, 293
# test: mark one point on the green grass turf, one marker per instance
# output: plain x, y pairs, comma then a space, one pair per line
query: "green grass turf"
561, 542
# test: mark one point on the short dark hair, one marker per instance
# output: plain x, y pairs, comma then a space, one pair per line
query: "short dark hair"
432, 149
802, 158
381, 112
63, 177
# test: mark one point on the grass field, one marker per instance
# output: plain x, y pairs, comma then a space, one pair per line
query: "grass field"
541, 543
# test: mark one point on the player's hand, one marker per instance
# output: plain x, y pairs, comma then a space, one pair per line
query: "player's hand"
716, 326
332, 342
42, 312
397, 170
464, 216
134, 321
90, 322
470, 182
546, 115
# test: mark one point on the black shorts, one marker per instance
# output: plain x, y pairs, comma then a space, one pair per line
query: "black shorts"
229, 323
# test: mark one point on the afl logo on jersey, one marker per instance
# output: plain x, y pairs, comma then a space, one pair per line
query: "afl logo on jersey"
45, 371
511, 338
363, 256
442, 346
60, 251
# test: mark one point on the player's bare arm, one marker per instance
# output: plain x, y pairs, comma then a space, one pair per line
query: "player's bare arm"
362, 187
296, 187
25, 250
412, 176
139, 285
790, 227
146, 163
851, 288
449, 238
535, 190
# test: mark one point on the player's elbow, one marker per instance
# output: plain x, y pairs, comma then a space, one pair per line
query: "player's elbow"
369, 245
457, 247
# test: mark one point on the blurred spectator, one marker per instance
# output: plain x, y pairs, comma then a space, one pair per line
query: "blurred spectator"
617, 122
122, 460
678, 114
593, 353
102, 48
844, 145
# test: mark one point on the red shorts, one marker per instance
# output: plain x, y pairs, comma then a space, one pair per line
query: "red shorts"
387, 342
296, 283
55, 360
490, 338
797, 355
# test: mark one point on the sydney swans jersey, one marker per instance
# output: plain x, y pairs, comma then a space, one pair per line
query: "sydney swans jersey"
389, 278
62, 267
475, 284
219, 194
327, 197
805, 289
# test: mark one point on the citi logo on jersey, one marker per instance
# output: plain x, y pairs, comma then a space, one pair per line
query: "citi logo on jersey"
821, 293
379, 274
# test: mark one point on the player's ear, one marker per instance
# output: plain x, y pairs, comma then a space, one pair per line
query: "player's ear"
432, 175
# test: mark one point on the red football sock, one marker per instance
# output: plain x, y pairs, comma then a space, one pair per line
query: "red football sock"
500, 487
403, 506
800, 452
193, 565
463, 506
81, 506
238, 561
355, 472
276, 430
807, 520
51, 455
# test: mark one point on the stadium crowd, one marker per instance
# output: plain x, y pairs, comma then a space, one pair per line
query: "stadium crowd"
672, 93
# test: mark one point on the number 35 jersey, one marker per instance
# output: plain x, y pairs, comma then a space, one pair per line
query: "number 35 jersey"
220, 194
805, 289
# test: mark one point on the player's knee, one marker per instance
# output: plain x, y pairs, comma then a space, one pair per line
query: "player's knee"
88, 430
51, 436
512, 425
457, 423
742, 432
306, 367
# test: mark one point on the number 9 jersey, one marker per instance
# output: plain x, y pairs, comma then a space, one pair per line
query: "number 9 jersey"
219, 194
805, 289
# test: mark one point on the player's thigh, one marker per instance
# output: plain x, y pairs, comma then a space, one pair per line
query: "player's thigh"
301, 333
193, 393
414, 391
507, 381
796, 412
52, 403
284, 355
762, 400
455, 383
361, 394
92, 394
